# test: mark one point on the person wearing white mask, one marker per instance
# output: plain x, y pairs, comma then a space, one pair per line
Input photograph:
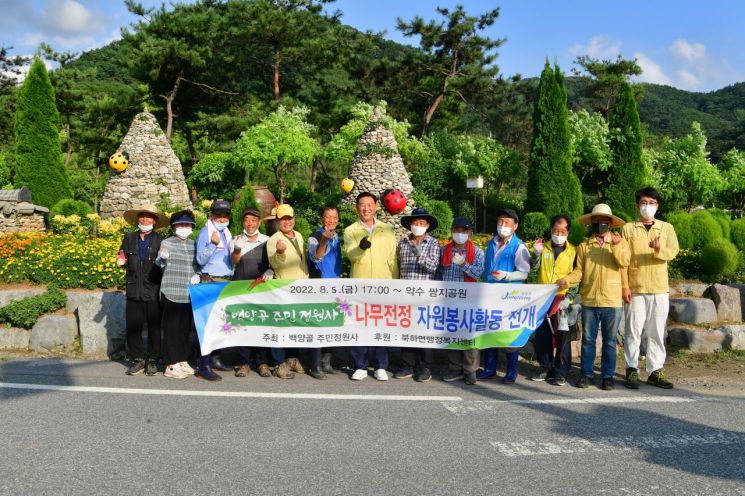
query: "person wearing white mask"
653, 245
177, 257
507, 262
554, 260
462, 261
418, 258
137, 254
215, 265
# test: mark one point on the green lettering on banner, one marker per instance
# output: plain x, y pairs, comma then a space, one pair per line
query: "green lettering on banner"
293, 315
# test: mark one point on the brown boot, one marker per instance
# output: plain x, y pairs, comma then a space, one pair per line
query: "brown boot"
295, 365
264, 370
283, 371
243, 371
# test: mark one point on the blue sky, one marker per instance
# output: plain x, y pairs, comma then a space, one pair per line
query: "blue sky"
691, 45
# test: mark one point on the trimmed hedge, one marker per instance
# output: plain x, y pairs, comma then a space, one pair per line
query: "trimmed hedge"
723, 219
738, 233
24, 313
719, 258
681, 221
68, 206
577, 233
704, 229
535, 225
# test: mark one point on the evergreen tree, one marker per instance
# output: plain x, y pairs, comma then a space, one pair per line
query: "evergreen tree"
553, 188
626, 173
38, 153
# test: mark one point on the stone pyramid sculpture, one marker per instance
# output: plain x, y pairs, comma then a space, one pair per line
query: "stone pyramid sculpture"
378, 166
154, 174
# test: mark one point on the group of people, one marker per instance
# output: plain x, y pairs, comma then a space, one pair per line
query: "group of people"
611, 273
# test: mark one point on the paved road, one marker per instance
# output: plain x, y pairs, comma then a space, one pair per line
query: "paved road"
83, 427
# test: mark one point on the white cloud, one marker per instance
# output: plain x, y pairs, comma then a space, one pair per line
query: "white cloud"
69, 17
600, 47
688, 51
651, 71
687, 81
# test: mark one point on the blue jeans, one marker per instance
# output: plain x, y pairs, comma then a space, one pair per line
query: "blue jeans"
608, 318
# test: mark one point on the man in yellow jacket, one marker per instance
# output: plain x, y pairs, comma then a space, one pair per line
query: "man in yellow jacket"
653, 244
600, 260
554, 261
371, 248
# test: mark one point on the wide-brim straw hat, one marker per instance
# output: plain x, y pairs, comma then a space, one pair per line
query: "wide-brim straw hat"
601, 209
131, 216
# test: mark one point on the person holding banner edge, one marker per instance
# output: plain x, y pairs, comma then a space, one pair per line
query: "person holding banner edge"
371, 248
251, 262
462, 261
287, 258
553, 261
507, 262
213, 258
324, 261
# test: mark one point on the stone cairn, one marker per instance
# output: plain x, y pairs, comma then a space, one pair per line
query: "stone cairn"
18, 213
377, 166
154, 174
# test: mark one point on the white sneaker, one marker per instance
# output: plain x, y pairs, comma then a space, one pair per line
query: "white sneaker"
381, 375
175, 372
359, 374
186, 368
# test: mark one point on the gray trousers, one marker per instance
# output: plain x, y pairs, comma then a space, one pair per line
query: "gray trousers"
467, 360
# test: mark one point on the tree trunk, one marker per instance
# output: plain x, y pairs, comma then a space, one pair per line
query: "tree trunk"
277, 58
169, 105
190, 145
313, 175
441, 96
279, 177
68, 136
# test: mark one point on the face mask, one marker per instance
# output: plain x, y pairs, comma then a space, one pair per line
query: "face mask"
647, 211
251, 233
418, 230
600, 227
220, 226
183, 232
558, 240
504, 231
144, 228
460, 238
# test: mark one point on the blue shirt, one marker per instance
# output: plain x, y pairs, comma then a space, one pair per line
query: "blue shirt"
143, 243
211, 259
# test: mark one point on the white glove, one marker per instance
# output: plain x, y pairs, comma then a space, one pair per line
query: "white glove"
240, 243
499, 275
163, 254
195, 279
459, 259
538, 247
564, 304
269, 274
121, 262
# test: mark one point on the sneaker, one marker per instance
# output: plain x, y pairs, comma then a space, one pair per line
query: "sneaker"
404, 373
557, 381
175, 372
657, 378
264, 370
424, 375
584, 382
137, 367
186, 368
283, 371
295, 365
632, 378
453, 375
151, 368
243, 370
540, 377
608, 384
471, 378
381, 375
359, 374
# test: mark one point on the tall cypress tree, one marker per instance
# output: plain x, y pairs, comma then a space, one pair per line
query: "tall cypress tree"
39, 164
626, 173
553, 188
